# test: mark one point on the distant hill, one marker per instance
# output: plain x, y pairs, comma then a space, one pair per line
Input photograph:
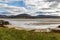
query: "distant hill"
3, 16
28, 16
46, 16
21, 16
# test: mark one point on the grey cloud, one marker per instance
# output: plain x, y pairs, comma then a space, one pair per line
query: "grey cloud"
53, 0
54, 5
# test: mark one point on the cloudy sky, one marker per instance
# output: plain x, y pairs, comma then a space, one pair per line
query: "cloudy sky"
32, 7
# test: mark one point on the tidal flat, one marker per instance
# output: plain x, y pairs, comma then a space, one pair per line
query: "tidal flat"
41, 23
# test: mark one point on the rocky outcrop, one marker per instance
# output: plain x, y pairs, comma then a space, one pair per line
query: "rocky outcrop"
2, 23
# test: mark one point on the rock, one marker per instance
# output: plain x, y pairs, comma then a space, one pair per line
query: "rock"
2, 23
59, 26
6, 23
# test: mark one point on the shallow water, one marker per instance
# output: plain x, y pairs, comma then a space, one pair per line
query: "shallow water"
26, 23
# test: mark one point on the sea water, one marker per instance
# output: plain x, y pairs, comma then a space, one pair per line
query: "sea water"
27, 23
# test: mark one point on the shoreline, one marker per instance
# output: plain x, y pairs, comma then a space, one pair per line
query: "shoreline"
34, 30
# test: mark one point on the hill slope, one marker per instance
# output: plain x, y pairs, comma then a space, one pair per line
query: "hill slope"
13, 34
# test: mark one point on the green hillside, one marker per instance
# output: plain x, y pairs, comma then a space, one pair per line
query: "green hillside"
13, 34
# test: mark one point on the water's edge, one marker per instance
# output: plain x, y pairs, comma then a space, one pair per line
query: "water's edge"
28, 23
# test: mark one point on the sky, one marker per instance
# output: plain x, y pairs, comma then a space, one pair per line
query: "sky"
32, 7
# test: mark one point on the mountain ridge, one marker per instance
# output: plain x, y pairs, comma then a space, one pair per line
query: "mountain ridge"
28, 16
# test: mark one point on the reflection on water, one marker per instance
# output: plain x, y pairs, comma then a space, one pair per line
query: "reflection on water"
27, 23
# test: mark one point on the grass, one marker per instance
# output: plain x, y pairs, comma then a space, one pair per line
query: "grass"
13, 34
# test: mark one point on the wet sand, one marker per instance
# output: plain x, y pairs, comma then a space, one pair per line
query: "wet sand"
35, 23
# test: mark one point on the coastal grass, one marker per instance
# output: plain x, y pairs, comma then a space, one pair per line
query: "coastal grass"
13, 34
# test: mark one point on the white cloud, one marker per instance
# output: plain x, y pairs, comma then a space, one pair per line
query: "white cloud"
7, 1
44, 6
16, 10
13, 9
48, 7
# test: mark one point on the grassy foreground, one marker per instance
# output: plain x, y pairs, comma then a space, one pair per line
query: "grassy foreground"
13, 34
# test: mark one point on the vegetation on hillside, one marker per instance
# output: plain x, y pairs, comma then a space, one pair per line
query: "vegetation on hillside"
13, 34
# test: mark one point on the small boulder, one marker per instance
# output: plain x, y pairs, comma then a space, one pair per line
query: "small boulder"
59, 26
2, 23
6, 23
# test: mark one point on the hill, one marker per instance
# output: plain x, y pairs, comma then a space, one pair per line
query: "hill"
21, 16
46, 16
28, 16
